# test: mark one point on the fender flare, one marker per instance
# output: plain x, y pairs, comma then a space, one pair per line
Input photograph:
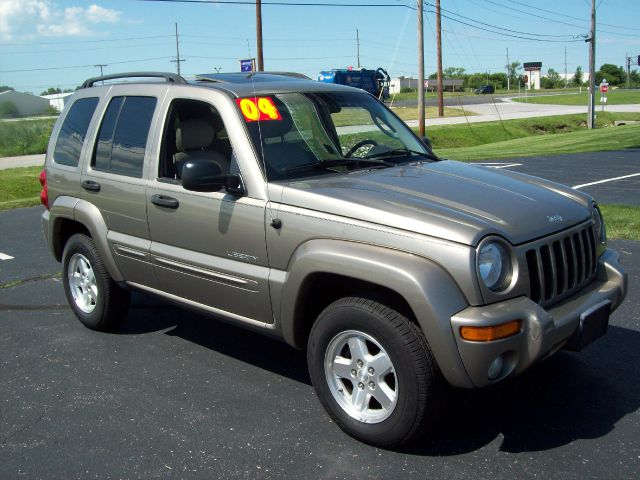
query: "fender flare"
88, 215
428, 289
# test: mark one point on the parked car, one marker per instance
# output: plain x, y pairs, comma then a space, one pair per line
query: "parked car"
485, 89
312, 213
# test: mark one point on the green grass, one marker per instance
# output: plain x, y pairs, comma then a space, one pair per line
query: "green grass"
614, 138
19, 187
411, 113
622, 221
614, 97
470, 135
25, 137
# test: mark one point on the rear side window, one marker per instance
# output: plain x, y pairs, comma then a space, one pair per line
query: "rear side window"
73, 131
122, 137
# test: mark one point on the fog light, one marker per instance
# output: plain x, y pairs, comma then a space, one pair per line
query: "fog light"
495, 369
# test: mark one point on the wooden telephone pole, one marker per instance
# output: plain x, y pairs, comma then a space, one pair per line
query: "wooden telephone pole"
259, 35
591, 120
439, 47
420, 71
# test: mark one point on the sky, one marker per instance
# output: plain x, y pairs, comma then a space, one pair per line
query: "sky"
59, 43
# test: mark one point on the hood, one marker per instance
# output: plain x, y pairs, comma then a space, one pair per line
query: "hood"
450, 200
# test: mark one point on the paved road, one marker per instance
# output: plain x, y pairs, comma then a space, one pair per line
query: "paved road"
172, 394
610, 177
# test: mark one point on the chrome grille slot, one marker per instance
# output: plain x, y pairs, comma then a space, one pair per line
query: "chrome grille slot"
560, 265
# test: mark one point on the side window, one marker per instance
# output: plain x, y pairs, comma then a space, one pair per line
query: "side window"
73, 131
194, 131
122, 137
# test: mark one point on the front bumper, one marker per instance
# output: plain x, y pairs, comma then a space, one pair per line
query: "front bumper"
543, 331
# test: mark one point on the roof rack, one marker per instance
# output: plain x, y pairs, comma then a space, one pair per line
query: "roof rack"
239, 77
169, 77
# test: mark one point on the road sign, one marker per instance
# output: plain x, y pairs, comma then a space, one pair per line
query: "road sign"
604, 88
248, 65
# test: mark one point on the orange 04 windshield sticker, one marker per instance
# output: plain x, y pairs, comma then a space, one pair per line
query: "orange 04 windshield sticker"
258, 109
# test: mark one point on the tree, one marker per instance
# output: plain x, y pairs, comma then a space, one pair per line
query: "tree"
512, 70
453, 72
551, 80
5, 88
614, 75
55, 90
578, 77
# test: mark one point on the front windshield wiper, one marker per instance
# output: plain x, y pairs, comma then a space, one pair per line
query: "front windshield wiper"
338, 163
403, 151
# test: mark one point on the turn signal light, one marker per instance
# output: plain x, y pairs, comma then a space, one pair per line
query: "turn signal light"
487, 334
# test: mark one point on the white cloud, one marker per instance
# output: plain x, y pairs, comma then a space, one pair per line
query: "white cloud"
24, 18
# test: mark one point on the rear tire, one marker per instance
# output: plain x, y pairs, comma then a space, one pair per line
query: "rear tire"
374, 373
97, 301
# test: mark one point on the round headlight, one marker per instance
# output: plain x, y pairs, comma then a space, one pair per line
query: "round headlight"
494, 266
598, 225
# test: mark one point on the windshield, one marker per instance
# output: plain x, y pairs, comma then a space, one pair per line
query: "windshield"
307, 134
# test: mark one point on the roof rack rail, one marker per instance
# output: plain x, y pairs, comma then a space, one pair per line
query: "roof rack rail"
169, 77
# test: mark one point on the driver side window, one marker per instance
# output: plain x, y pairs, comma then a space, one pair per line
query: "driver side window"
194, 131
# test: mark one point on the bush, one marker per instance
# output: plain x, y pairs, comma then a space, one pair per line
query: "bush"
26, 137
408, 90
8, 110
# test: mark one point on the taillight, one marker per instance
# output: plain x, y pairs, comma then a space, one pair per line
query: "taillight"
44, 194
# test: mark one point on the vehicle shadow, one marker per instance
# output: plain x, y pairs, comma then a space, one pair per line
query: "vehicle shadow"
566, 398
149, 314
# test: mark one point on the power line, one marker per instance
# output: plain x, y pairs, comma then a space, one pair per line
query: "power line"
81, 66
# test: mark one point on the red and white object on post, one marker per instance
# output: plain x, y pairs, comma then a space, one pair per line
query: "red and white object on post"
604, 88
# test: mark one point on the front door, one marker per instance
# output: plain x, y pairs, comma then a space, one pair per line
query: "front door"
207, 248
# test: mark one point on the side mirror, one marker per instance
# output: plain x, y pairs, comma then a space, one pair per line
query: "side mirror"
199, 176
427, 142
202, 176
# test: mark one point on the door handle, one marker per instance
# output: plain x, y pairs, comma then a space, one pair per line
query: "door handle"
164, 201
91, 185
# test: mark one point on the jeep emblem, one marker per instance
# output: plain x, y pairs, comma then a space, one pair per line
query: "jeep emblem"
554, 218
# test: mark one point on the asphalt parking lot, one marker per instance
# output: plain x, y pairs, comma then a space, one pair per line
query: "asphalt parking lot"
172, 394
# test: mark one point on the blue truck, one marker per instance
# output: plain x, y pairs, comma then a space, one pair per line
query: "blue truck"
376, 82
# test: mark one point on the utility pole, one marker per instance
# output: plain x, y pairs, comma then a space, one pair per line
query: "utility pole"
178, 60
439, 47
259, 35
420, 70
358, 47
628, 70
100, 65
508, 72
592, 68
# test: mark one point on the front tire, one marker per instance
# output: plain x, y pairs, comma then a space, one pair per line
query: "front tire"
97, 301
374, 373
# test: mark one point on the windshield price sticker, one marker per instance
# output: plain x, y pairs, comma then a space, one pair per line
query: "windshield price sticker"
258, 109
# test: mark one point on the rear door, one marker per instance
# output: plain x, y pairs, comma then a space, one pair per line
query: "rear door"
114, 178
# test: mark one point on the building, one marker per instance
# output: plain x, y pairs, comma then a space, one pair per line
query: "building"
58, 100
25, 103
397, 84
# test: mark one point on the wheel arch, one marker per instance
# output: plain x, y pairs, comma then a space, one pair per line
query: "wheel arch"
417, 286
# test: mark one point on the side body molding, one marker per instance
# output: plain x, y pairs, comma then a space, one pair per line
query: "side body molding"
429, 290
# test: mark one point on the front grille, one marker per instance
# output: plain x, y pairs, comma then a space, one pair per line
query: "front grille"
561, 265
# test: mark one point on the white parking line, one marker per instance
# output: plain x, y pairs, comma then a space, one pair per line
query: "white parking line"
5, 257
606, 180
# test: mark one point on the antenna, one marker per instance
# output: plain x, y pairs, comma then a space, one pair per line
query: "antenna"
275, 222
